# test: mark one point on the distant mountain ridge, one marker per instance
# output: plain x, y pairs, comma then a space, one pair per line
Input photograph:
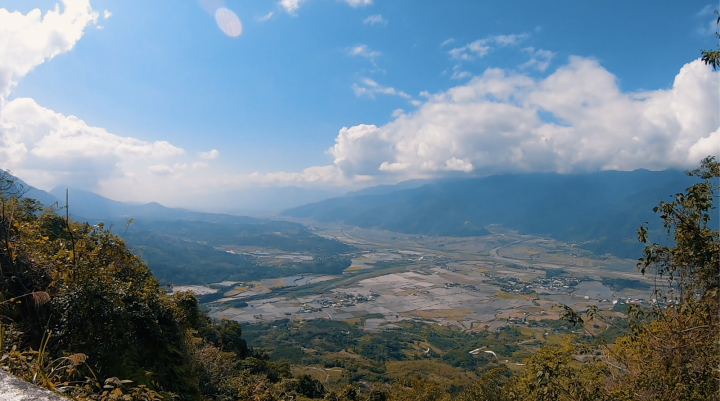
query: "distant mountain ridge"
86, 205
386, 189
20, 187
604, 208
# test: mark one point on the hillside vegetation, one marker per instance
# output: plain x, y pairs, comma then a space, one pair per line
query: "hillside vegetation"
186, 252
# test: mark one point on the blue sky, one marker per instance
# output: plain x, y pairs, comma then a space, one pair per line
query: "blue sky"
272, 101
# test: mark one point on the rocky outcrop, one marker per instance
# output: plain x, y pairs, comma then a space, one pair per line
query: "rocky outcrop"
14, 389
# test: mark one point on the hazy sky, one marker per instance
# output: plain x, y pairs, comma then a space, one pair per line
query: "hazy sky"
178, 101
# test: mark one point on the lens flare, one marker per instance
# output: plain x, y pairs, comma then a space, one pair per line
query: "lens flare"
228, 22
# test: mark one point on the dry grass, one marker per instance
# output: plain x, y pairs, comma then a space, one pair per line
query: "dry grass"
506, 295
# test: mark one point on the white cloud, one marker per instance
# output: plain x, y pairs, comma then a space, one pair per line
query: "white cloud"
48, 148
160, 169
481, 47
577, 119
265, 17
574, 120
375, 19
291, 6
28, 40
457, 74
107, 14
507, 40
447, 42
385, 166
312, 175
369, 88
363, 51
478, 48
455, 164
358, 3
360, 150
39, 141
539, 59
213, 154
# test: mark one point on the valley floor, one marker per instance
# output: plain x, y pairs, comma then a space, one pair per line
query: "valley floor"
474, 283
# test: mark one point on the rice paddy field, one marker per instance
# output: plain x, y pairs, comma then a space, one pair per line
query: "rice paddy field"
473, 283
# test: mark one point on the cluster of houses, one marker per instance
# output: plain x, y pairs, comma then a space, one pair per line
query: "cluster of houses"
460, 285
516, 286
341, 299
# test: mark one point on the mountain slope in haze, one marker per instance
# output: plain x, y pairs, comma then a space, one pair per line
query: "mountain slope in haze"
20, 187
604, 208
86, 205
386, 189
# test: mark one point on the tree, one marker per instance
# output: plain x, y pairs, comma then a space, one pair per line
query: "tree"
674, 350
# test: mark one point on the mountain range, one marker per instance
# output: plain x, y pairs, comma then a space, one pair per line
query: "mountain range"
601, 210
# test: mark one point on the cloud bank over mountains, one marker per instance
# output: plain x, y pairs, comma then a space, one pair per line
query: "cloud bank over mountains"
575, 119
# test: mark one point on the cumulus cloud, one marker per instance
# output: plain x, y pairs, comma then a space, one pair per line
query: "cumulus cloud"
160, 169
360, 150
28, 40
481, 47
375, 19
577, 119
291, 6
213, 154
39, 141
46, 147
